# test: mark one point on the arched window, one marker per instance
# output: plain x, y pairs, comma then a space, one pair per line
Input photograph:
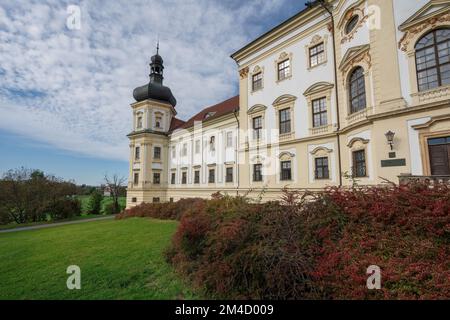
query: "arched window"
351, 24
357, 90
433, 59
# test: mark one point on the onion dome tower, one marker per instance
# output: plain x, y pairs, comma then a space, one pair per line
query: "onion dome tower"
155, 89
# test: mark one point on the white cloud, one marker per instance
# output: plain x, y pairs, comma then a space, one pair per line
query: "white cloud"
72, 88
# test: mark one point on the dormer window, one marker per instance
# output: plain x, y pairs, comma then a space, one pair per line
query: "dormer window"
209, 114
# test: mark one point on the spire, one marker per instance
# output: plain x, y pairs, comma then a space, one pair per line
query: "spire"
156, 67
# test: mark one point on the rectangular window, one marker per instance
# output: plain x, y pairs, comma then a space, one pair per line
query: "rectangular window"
285, 170
136, 178
319, 111
212, 175
212, 143
184, 178
229, 139
257, 81
229, 175
137, 153
257, 127
171, 200
322, 171
184, 151
196, 176
174, 153
197, 146
284, 70
257, 172
359, 164
139, 122
157, 153
316, 55
156, 178
134, 199
172, 178
158, 122
156, 200
285, 121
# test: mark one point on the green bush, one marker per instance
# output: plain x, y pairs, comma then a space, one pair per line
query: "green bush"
95, 202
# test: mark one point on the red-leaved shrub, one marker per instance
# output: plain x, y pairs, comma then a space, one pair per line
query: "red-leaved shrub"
318, 246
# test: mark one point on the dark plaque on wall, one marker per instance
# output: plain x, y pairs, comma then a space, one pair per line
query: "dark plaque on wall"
393, 163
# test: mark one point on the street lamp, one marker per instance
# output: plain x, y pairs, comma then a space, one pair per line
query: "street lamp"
390, 138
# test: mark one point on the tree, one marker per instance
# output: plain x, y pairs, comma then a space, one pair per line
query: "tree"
27, 194
115, 185
95, 202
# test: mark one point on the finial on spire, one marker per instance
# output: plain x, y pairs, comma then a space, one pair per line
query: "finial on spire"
157, 46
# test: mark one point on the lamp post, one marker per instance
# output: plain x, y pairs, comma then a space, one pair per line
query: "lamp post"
390, 138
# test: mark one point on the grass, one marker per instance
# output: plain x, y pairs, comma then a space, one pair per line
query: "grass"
119, 259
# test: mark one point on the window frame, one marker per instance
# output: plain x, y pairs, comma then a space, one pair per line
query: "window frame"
282, 70
258, 81
212, 177
229, 175
284, 123
173, 178
285, 173
259, 177
184, 177
196, 176
137, 153
358, 95
156, 178
320, 113
325, 169
356, 162
157, 154
229, 138
257, 131
136, 178
317, 54
437, 66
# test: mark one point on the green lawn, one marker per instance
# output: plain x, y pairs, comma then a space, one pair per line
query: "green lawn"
119, 259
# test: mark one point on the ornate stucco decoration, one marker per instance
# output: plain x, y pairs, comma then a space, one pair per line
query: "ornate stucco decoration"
321, 150
435, 13
286, 155
357, 139
362, 19
284, 99
356, 56
256, 108
243, 73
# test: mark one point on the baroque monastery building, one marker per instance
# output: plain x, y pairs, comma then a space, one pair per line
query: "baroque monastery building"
355, 88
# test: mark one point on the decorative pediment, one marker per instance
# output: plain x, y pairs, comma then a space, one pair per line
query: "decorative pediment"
349, 12
286, 155
315, 40
258, 159
321, 149
355, 55
286, 98
283, 56
318, 87
357, 139
434, 14
433, 121
256, 69
431, 9
256, 108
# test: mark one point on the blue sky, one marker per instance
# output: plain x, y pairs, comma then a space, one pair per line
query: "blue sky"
65, 94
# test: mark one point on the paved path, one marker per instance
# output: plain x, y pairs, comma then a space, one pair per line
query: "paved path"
56, 224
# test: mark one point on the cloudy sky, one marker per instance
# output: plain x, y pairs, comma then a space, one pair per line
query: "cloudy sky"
65, 92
